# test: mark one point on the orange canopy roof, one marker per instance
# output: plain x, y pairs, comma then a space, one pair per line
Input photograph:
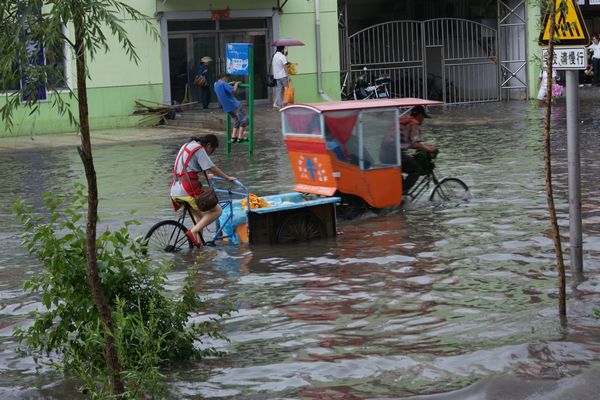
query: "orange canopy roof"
364, 104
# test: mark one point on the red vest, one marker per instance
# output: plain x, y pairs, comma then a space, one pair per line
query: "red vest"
189, 180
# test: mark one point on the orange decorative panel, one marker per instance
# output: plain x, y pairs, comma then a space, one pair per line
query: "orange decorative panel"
311, 165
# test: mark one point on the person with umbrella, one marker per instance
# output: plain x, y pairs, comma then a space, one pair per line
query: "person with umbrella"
280, 74
205, 86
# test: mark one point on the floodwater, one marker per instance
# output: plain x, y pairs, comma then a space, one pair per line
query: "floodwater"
440, 303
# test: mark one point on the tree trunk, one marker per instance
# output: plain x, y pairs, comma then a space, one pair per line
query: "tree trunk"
110, 352
560, 264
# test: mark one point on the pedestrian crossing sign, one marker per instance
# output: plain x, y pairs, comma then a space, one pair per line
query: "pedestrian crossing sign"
569, 28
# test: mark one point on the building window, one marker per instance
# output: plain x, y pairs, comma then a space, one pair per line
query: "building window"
54, 69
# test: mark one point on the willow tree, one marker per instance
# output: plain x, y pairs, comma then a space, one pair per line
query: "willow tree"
33, 36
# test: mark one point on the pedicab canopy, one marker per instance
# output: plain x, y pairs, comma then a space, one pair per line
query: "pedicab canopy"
333, 145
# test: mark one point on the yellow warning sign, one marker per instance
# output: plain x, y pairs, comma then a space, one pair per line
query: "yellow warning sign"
569, 28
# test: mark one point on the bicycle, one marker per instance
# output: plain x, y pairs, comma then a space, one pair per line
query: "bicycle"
169, 235
364, 90
444, 190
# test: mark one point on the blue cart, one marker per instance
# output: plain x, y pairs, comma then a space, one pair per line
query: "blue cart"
282, 219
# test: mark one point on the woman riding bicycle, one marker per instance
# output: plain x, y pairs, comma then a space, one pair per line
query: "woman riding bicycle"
192, 160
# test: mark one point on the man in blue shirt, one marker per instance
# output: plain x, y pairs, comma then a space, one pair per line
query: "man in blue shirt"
232, 106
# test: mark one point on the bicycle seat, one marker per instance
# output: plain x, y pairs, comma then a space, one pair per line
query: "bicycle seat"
181, 203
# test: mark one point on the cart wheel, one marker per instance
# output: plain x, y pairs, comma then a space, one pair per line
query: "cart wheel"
168, 236
351, 207
299, 227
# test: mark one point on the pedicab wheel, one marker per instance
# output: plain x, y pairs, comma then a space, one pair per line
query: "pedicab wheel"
299, 227
450, 190
168, 236
351, 207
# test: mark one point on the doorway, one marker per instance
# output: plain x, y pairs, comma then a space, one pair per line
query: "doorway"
186, 50
434, 65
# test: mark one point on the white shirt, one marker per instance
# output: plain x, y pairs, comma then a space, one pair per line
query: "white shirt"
544, 83
596, 49
278, 66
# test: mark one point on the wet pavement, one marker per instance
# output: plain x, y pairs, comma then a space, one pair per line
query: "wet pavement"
432, 302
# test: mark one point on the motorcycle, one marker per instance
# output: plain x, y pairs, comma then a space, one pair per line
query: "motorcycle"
365, 90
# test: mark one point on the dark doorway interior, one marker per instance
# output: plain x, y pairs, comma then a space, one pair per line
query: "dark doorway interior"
591, 15
178, 68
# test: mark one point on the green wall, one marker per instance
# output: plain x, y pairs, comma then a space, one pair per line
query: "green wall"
114, 83
305, 86
300, 24
110, 107
534, 50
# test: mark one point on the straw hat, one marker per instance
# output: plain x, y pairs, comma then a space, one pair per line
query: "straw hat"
206, 59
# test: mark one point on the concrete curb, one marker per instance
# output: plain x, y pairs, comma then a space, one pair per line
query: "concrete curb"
100, 138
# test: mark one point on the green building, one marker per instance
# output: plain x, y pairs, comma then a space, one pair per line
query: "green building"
457, 51
188, 31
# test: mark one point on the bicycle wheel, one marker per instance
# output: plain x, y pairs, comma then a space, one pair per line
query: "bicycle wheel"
450, 190
299, 227
351, 207
168, 236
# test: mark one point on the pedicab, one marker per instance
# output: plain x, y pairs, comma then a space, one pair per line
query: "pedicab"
270, 220
351, 149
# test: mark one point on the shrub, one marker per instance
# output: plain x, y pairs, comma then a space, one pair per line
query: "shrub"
150, 326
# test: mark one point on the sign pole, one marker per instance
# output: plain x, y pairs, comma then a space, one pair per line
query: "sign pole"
570, 29
574, 163
251, 100
228, 130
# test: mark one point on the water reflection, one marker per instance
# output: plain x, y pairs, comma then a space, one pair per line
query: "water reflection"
410, 302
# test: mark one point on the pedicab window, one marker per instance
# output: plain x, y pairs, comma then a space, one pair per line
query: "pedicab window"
341, 134
301, 121
380, 139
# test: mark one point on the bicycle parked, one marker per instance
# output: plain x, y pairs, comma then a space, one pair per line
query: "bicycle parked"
363, 89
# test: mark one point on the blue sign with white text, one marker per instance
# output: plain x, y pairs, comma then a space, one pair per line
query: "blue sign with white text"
237, 57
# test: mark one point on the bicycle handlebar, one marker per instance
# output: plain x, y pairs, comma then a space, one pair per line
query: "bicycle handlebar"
236, 182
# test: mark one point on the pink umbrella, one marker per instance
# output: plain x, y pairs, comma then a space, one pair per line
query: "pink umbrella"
287, 42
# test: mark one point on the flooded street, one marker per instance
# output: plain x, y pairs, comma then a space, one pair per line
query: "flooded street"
416, 302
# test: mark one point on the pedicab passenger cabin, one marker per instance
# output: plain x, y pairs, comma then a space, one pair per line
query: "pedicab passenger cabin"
348, 148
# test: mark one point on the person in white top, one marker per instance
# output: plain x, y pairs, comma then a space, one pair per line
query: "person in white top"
543, 84
594, 48
280, 73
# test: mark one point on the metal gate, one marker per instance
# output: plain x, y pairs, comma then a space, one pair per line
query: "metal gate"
512, 17
448, 59
391, 48
466, 54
